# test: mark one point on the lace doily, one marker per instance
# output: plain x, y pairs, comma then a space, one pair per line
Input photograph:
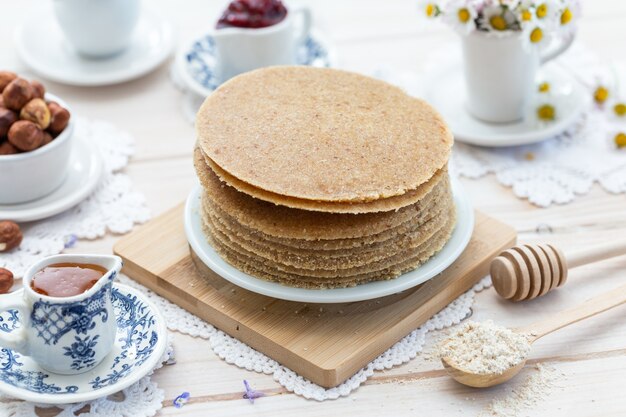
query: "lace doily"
113, 207
238, 353
554, 171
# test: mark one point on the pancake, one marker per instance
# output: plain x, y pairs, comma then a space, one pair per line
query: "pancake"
285, 222
383, 204
441, 197
340, 259
340, 271
321, 134
435, 244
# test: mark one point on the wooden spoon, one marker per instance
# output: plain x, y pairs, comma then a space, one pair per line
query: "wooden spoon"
537, 330
525, 272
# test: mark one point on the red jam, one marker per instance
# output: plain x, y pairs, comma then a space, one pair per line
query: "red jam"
252, 14
66, 279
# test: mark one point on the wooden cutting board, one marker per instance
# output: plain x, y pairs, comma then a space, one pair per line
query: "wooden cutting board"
326, 343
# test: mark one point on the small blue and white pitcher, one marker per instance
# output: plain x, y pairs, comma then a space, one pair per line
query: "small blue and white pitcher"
64, 335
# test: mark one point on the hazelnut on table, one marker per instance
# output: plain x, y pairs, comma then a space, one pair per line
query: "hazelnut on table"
6, 280
10, 235
17, 93
37, 112
25, 135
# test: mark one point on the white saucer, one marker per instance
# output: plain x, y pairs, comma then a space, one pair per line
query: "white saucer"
450, 252
139, 346
84, 173
55, 60
195, 65
445, 90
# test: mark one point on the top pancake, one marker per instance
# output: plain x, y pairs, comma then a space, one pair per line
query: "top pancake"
322, 134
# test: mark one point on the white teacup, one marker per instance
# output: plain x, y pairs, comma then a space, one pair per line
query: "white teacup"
64, 335
97, 28
240, 50
500, 74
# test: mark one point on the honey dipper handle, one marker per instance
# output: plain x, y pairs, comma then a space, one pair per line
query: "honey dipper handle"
585, 310
596, 253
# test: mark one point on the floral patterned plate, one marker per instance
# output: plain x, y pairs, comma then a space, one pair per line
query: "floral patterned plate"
196, 61
140, 343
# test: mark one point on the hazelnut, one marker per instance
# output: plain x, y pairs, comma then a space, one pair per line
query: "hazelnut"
5, 78
47, 138
59, 118
17, 93
7, 118
37, 112
25, 135
6, 280
10, 235
39, 91
7, 149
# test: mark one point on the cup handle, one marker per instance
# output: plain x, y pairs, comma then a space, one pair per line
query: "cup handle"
302, 32
16, 339
558, 47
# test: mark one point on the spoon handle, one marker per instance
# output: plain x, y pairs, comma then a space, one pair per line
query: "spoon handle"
596, 253
585, 310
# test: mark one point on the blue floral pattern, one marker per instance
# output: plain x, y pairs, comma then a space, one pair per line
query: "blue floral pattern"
201, 61
54, 320
136, 340
82, 352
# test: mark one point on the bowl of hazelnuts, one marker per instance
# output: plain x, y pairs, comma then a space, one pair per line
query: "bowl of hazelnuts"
35, 140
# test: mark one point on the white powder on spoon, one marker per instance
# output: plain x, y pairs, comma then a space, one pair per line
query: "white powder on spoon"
485, 348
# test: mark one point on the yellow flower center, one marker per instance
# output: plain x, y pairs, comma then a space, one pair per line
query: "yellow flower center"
430, 10
497, 22
601, 94
620, 140
542, 10
546, 112
544, 87
464, 15
526, 15
536, 35
620, 109
566, 16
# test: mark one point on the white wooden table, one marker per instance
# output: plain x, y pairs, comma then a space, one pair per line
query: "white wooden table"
368, 34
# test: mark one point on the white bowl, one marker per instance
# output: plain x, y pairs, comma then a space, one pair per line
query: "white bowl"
31, 175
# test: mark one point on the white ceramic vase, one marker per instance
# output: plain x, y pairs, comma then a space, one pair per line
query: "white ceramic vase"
500, 74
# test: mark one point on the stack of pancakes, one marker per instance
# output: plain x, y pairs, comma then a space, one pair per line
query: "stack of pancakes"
321, 178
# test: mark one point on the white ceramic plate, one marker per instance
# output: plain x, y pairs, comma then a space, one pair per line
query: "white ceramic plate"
139, 346
445, 90
55, 60
83, 175
450, 252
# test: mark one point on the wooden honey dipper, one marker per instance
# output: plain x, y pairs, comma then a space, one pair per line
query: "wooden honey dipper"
525, 272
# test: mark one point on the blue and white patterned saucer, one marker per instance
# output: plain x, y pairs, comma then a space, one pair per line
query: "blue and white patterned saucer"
140, 342
196, 61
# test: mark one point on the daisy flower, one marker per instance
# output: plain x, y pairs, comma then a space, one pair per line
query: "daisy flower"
619, 139
429, 9
548, 12
546, 112
535, 35
543, 87
601, 94
495, 19
568, 14
461, 16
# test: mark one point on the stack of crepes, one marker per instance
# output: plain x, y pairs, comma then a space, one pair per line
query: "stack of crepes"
320, 178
